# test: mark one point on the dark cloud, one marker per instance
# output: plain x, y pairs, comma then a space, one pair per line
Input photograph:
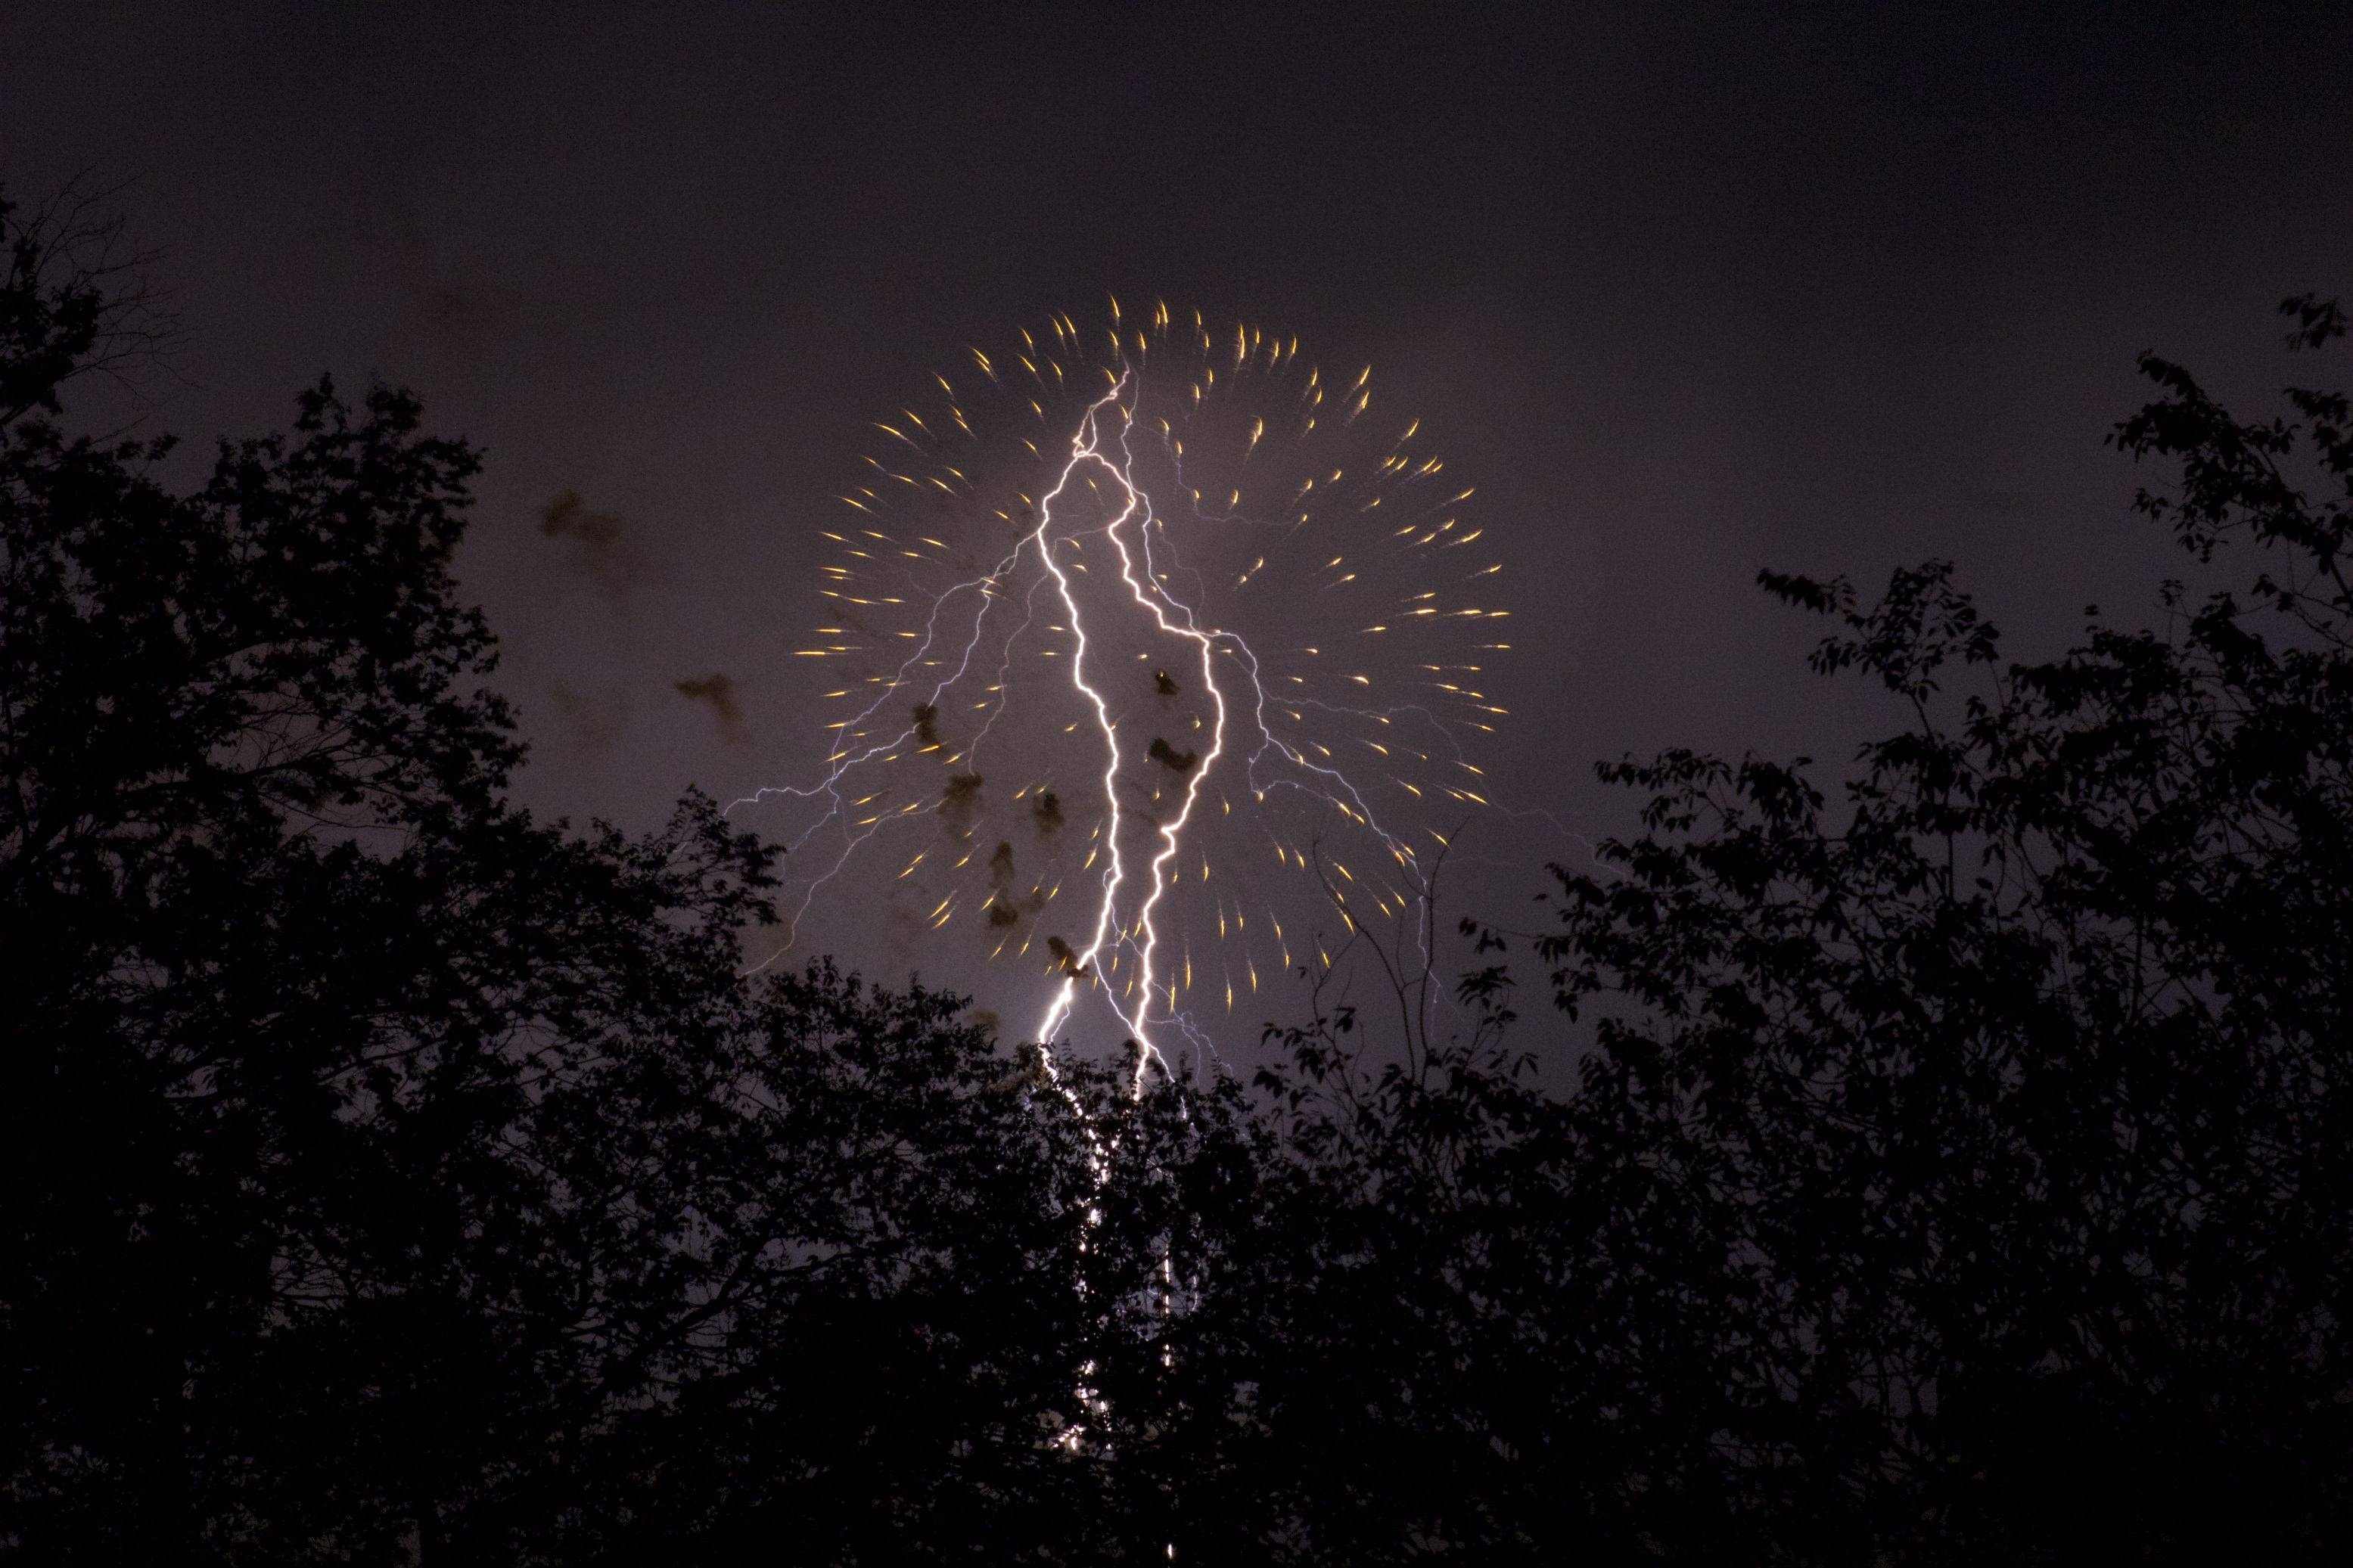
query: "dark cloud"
961, 799
927, 724
1006, 907
1066, 958
604, 554
1047, 812
594, 724
1169, 757
717, 691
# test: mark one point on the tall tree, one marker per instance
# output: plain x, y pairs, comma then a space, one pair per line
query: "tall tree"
2011, 1089
1957, 1167
1959, 1171
391, 1175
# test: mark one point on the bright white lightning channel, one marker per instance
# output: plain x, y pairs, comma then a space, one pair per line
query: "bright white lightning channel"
1086, 448
1131, 904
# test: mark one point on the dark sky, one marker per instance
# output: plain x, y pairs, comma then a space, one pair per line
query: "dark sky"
1688, 295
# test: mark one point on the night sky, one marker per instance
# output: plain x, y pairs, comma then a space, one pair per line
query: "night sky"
1684, 297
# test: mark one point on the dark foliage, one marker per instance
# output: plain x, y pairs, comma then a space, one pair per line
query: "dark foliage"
1959, 1166
392, 1176
1988, 1132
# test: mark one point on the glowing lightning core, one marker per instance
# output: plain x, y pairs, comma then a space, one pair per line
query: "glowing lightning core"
1378, 513
1086, 448
1348, 536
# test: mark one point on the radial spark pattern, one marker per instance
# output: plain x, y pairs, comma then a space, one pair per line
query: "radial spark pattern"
1163, 657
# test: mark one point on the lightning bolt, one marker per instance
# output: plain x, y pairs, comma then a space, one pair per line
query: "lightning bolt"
1135, 852
1142, 848
1085, 449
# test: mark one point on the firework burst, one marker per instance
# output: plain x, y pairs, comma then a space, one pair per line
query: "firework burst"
1162, 656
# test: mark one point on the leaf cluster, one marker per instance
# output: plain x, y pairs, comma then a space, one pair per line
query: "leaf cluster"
1956, 1167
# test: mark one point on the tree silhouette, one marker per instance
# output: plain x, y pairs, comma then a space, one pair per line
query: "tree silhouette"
2005, 1098
391, 1174
1957, 1172
1957, 1164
